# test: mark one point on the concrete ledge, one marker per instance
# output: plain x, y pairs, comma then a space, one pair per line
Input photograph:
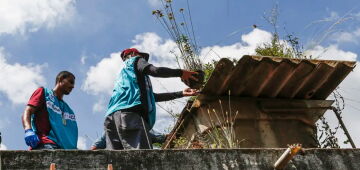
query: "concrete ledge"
198, 159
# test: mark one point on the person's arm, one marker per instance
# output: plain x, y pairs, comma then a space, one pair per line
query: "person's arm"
36, 100
162, 71
31, 139
26, 117
146, 68
100, 143
160, 97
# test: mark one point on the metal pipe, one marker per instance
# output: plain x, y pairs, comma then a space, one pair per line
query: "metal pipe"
343, 126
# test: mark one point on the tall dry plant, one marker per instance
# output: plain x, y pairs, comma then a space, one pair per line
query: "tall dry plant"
179, 26
221, 133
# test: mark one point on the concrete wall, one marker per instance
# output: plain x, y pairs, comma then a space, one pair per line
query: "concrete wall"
325, 159
261, 123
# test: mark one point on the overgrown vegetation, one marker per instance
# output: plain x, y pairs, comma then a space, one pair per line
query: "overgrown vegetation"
208, 69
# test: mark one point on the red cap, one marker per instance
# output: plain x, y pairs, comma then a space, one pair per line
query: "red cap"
130, 50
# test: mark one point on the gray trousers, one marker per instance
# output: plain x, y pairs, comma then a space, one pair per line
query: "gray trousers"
126, 130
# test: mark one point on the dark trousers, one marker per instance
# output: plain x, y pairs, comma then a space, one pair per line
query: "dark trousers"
126, 130
46, 146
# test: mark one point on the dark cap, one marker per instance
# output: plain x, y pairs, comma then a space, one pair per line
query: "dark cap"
130, 50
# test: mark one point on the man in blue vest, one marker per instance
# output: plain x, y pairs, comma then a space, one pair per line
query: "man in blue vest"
48, 121
131, 111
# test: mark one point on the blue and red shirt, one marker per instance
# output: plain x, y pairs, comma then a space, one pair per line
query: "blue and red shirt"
54, 121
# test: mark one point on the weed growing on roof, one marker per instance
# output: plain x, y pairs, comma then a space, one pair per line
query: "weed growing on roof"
290, 48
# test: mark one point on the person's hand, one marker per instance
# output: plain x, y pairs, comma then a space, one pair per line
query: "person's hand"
190, 92
31, 139
187, 75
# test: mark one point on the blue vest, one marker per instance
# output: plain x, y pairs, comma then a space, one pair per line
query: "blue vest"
64, 130
127, 94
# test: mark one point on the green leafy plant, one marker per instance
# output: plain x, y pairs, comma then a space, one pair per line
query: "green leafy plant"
209, 68
275, 48
290, 48
180, 142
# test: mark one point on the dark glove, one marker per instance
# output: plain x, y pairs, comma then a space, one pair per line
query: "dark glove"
31, 139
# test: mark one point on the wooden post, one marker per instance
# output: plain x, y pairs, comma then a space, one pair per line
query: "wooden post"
343, 126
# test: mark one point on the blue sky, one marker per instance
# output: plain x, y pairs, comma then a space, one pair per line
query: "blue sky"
39, 38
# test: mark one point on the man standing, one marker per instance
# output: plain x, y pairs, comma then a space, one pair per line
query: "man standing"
48, 121
131, 111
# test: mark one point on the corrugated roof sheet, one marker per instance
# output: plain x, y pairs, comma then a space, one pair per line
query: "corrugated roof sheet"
274, 77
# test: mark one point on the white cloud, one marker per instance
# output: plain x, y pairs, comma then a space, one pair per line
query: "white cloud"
154, 3
83, 59
101, 104
4, 122
158, 48
3, 147
347, 37
81, 144
100, 78
332, 52
19, 16
19, 81
246, 46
